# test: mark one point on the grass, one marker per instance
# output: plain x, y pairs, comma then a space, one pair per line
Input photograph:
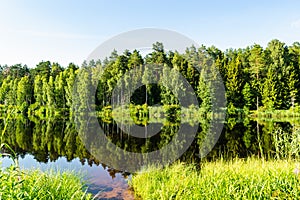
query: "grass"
237, 179
287, 144
35, 184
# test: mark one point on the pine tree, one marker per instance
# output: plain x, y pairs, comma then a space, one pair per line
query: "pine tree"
257, 67
234, 82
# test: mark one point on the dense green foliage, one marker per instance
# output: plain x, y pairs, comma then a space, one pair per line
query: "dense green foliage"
238, 179
254, 77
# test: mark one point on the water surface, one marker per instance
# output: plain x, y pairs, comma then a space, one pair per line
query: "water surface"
55, 144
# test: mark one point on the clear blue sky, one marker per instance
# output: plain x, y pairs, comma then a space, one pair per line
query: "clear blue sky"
68, 31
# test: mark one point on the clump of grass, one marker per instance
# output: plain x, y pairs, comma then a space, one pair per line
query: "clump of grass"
35, 184
237, 179
287, 145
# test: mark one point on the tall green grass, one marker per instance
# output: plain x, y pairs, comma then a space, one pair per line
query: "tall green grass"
287, 144
237, 179
34, 184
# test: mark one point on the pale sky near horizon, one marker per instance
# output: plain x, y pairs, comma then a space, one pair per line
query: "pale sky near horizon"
68, 31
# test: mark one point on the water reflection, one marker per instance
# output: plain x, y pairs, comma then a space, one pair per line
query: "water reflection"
55, 142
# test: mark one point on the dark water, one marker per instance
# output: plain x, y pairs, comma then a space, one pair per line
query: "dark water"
56, 143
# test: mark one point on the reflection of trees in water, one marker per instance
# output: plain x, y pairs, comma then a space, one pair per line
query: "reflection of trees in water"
45, 140
241, 139
55, 138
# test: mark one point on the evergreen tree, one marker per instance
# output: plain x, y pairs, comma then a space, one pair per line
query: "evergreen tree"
257, 67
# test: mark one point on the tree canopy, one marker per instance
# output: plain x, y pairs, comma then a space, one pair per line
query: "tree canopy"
254, 78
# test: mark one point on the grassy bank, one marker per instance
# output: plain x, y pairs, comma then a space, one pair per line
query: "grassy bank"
237, 179
34, 184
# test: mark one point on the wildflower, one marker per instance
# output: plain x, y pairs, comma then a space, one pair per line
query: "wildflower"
297, 170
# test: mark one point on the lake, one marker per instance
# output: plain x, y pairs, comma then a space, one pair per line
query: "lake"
55, 143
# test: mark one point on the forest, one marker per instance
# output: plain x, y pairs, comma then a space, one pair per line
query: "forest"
49, 104
255, 78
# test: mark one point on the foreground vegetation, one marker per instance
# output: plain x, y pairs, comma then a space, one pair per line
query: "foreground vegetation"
237, 179
16, 184
35, 184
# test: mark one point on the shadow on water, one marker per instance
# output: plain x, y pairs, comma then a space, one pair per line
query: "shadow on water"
55, 143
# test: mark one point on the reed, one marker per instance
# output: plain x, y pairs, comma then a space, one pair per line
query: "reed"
252, 178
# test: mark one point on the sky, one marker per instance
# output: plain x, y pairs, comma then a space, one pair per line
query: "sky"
68, 31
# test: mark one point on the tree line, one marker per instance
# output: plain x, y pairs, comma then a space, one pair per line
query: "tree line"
254, 78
